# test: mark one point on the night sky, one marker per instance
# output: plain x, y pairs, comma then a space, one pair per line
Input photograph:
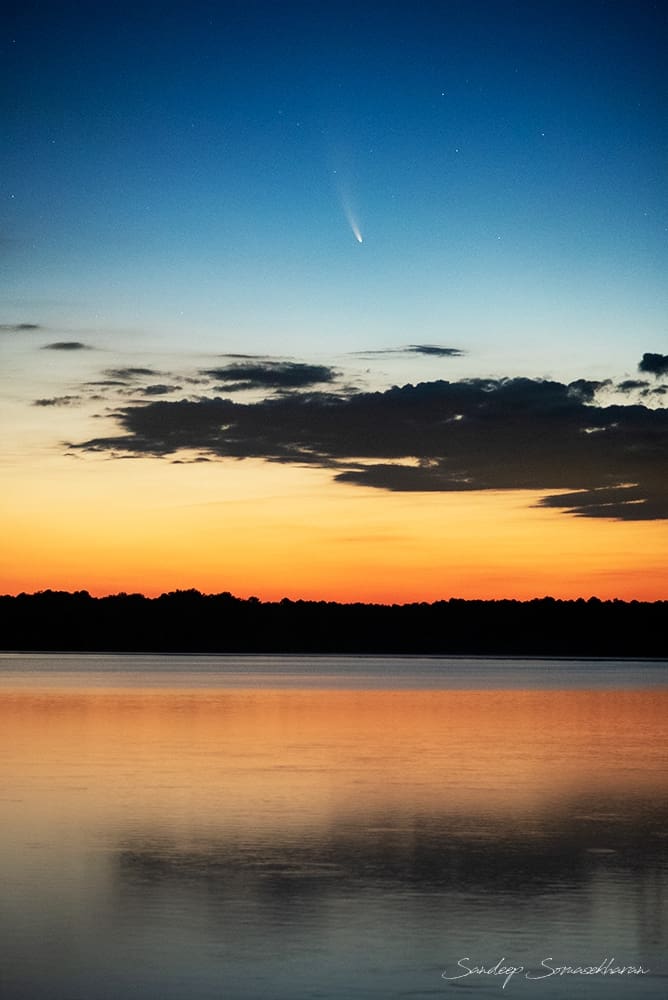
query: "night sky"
229, 230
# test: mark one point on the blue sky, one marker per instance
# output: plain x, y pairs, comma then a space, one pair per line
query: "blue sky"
175, 175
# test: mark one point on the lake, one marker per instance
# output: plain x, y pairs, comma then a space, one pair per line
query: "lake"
292, 828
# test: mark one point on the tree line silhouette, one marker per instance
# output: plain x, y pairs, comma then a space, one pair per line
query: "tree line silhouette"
188, 621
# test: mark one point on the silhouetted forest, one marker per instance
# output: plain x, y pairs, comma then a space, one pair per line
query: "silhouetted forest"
190, 622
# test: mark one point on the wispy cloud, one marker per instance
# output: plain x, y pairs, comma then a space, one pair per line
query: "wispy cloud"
57, 401
431, 350
129, 374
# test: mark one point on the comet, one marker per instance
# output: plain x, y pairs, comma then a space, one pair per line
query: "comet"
342, 174
356, 232
352, 221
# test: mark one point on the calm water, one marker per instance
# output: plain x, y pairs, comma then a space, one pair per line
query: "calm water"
292, 828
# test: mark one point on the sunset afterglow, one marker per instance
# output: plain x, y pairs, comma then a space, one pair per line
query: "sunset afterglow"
207, 382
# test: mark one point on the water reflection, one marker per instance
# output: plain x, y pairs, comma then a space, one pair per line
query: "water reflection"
559, 853
303, 843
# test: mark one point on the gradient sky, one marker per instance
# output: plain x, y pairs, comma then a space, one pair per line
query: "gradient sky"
292, 208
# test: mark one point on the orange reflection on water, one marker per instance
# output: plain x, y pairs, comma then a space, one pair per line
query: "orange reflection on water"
231, 760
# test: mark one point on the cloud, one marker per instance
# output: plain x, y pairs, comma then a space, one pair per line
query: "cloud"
243, 357
630, 384
57, 401
66, 345
655, 364
473, 434
107, 382
19, 327
159, 390
270, 375
585, 390
625, 502
659, 390
129, 374
432, 350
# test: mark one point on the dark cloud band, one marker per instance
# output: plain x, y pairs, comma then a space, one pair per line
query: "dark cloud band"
474, 434
270, 375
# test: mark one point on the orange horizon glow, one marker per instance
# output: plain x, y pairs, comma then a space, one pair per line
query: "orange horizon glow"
255, 528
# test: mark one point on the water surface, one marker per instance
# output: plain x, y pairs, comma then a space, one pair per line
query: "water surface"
351, 827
